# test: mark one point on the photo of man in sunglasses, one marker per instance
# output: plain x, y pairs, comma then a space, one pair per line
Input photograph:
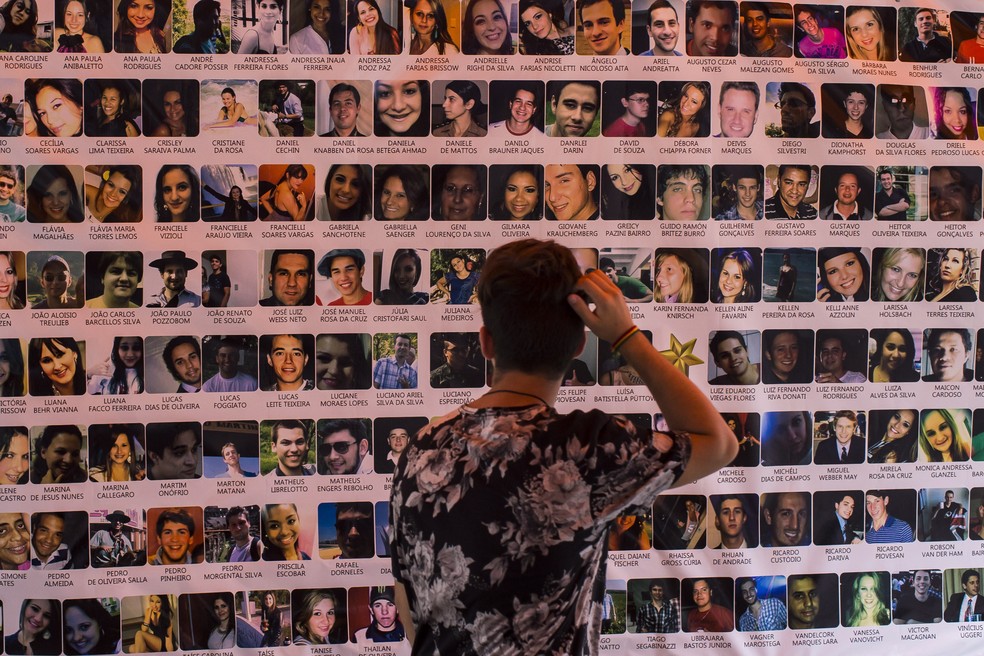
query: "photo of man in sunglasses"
343, 447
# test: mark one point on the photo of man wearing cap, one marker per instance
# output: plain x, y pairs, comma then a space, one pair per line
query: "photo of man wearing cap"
346, 267
385, 625
174, 267
56, 283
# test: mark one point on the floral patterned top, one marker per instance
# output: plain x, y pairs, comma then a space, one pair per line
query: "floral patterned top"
500, 517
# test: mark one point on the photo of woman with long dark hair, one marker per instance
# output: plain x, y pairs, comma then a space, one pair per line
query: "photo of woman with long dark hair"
55, 367
517, 192
223, 632
844, 274
347, 193
485, 29
90, 628
323, 32
543, 28
170, 108
955, 114
156, 631
892, 436
116, 453
342, 362
11, 369
371, 34
117, 198
177, 195
53, 194
893, 356
18, 27
235, 206
627, 192
38, 629
122, 372
55, 107
110, 108
404, 275
231, 113
15, 455
287, 199
142, 27
73, 29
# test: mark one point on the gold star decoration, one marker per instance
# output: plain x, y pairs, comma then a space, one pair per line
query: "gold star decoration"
681, 355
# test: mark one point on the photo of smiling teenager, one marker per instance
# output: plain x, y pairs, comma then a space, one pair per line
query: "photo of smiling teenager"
402, 108
346, 268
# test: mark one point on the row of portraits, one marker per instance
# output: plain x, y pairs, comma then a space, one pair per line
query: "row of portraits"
786, 356
156, 623
188, 535
432, 28
295, 362
47, 280
280, 617
110, 194
789, 519
852, 437
70, 453
796, 601
62, 107
60, 454
68, 540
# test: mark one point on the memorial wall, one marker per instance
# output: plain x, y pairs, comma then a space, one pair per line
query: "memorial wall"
240, 243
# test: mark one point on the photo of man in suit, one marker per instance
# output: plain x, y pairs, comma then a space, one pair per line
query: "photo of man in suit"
966, 606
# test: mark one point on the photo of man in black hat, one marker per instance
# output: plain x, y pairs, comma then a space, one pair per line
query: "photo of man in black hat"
174, 267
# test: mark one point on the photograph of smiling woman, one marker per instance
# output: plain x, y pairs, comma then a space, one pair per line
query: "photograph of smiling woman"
401, 108
38, 629
900, 274
55, 108
53, 194
177, 195
844, 274
55, 367
143, 26
90, 627
113, 194
111, 106
59, 454
485, 28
